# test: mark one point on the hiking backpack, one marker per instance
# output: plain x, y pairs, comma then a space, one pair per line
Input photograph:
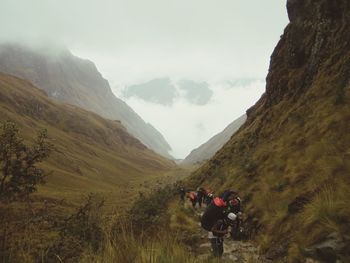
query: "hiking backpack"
213, 213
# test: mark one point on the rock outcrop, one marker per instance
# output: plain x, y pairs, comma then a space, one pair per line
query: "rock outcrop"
296, 139
312, 46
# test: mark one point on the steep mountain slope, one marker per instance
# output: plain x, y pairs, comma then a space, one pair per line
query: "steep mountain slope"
208, 149
290, 161
91, 154
77, 81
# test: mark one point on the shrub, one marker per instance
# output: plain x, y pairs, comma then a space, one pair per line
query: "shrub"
19, 175
146, 212
328, 209
80, 231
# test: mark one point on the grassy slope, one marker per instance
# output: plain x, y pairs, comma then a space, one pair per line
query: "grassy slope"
291, 160
77, 81
91, 154
209, 148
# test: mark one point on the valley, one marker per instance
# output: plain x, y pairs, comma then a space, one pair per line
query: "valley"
275, 182
73, 80
91, 154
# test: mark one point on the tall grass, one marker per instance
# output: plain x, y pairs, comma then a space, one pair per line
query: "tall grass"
122, 245
168, 239
329, 210
90, 235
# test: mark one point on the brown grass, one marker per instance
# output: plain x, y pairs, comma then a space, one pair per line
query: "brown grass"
289, 150
91, 154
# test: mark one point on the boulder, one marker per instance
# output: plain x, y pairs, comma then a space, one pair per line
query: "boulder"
328, 250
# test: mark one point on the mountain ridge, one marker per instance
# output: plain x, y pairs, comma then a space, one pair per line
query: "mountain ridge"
91, 154
77, 81
207, 150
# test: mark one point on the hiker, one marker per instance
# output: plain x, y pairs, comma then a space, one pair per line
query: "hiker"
228, 195
237, 231
200, 196
218, 231
234, 206
193, 198
216, 210
208, 197
182, 194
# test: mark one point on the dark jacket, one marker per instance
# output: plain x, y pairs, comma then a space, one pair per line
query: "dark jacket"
218, 227
213, 213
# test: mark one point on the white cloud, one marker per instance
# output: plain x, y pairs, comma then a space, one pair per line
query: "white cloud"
137, 40
186, 126
133, 41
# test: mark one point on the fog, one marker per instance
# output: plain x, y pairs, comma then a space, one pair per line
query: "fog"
135, 41
186, 125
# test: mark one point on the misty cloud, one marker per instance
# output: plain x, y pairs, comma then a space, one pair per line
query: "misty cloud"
196, 92
242, 82
160, 91
164, 91
133, 42
186, 126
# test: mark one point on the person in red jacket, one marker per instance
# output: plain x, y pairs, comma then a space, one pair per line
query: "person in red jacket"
193, 198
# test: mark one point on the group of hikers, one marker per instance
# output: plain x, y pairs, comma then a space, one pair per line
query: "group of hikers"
200, 196
222, 215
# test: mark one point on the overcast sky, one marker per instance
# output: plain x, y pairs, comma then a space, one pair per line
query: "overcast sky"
133, 41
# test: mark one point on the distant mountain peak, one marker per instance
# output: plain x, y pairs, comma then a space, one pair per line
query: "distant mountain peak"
77, 81
209, 148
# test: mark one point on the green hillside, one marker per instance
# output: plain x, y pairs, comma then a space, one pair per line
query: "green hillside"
290, 161
70, 79
91, 154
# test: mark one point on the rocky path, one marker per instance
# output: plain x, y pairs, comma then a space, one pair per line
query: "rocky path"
234, 251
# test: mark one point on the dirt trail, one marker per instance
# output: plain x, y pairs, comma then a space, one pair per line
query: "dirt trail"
234, 251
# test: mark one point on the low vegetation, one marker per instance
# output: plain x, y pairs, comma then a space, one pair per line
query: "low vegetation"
290, 161
48, 230
54, 222
89, 234
90, 154
18, 162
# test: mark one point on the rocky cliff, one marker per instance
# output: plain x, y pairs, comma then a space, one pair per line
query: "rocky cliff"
77, 81
290, 161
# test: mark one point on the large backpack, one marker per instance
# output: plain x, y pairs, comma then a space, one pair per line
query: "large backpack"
213, 213
228, 194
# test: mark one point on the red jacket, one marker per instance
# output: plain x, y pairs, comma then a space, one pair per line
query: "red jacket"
219, 202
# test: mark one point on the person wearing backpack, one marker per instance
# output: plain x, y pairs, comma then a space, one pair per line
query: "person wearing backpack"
208, 197
200, 196
237, 231
216, 210
217, 233
193, 198
235, 206
182, 192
